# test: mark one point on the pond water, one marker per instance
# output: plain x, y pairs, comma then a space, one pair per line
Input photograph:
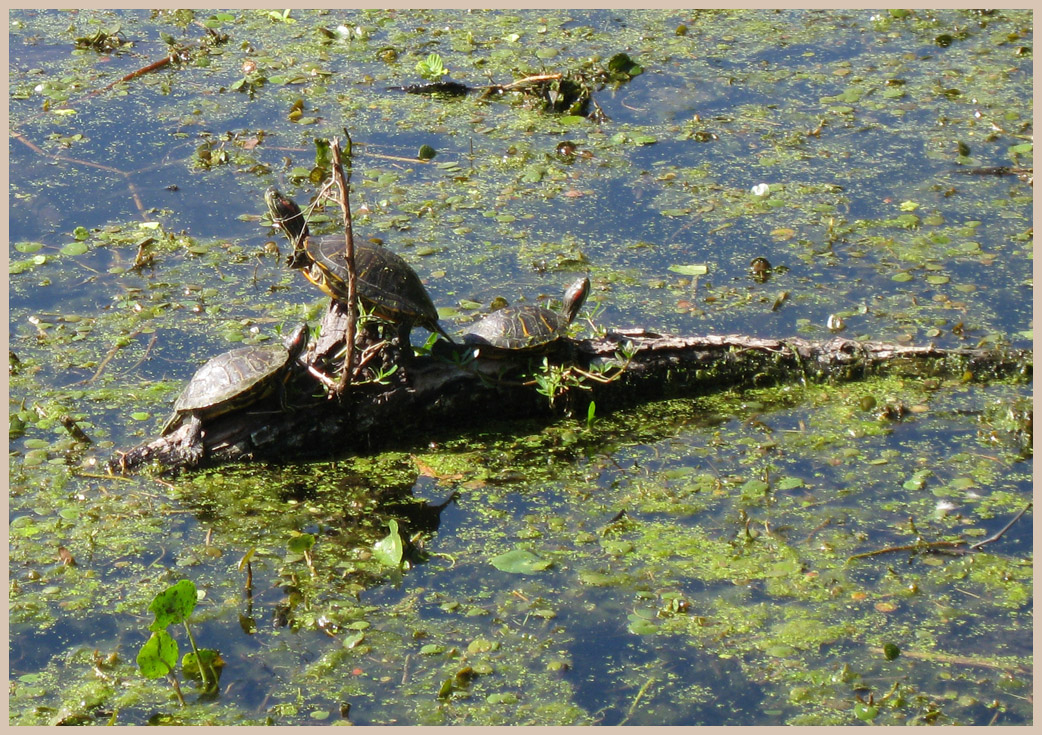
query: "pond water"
686, 562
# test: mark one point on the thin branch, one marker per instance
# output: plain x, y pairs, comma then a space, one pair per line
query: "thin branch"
941, 545
920, 546
343, 183
165, 61
998, 535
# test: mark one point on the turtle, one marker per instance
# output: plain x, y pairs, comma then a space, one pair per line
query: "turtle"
385, 283
528, 328
234, 380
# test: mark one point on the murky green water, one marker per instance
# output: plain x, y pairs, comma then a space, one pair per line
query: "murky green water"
689, 561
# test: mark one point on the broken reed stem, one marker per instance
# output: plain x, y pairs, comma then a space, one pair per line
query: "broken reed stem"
343, 182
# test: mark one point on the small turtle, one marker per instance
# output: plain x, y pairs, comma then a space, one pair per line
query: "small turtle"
529, 328
385, 282
234, 380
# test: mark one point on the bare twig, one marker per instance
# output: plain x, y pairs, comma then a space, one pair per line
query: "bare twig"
108, 358
998, 535
165, 61
920, 546
343, 184
527, 81
960, 660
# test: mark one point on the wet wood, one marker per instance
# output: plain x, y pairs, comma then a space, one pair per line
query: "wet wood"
437, 394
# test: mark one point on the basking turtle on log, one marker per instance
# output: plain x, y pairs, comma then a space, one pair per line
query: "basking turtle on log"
526, 329
231, 381
387, 284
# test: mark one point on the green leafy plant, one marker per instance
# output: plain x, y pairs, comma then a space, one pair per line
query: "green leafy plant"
282, 17
553, 381
431, 68
390, 549
300, 547
622, 68
158, 655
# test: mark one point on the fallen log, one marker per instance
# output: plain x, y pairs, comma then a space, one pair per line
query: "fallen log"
452, 387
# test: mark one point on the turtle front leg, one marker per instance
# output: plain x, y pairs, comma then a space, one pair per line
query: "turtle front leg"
190, 441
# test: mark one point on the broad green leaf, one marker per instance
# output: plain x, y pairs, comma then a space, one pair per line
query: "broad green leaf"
158, 656
173, 605
301, 543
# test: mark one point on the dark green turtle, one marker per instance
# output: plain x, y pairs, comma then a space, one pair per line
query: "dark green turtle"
234, 380
529, 328
386, 283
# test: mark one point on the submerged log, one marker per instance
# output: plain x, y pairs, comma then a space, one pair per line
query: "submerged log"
452, 388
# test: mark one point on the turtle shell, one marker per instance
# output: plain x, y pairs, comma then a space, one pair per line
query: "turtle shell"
528, 328
517, 328
236, 378
386, 282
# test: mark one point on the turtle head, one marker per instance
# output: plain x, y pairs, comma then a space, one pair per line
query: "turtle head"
297, 340
574, 297
286, 214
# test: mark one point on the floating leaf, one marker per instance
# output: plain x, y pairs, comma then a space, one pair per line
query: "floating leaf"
783, 568
789, 483
426, 153
754, 488
481, 645
641, 626
520, 561
75, 248
354, 639
617, 548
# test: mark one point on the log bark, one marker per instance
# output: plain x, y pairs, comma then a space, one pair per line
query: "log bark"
429, 395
